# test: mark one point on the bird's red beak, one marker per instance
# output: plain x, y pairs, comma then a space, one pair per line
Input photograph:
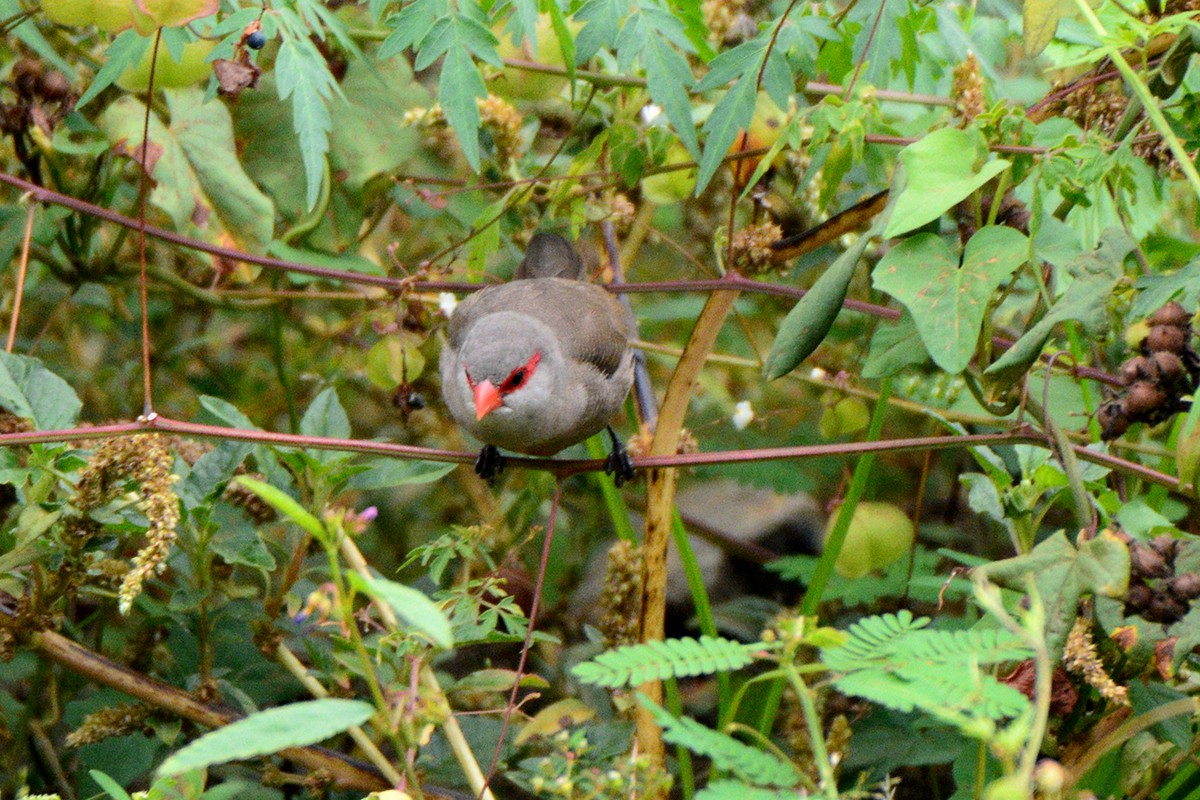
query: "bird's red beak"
487, 399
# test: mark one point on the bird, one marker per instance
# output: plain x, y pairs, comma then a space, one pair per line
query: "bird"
541, 362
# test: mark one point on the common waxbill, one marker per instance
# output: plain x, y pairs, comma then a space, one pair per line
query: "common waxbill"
540, 363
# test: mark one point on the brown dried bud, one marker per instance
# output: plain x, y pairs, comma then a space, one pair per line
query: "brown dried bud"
1113, 420
1186, 586
1145, 562
1143, 399
1166, 546
1166, 337
25, 76
1138, 596
1165, 607
54, 86
1172, 314
1169, 366
1138, 368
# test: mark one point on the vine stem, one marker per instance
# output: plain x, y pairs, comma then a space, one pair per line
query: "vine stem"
1148, 101
143, 280
533, 610
450, 727
22, 267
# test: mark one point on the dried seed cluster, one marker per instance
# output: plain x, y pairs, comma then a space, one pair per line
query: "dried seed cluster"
752, 247
109, 722
1080, 657
147, 461
1158, 593
967, 90
1157, 380
621, 602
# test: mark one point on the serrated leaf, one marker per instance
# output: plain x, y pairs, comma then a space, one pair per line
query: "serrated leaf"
632, 665
125, 51
947, 301
213, 470
731, 115
1155, 291
266, 732
941, 173
303, 75
668, 80
459, 87
30, 391
388, 473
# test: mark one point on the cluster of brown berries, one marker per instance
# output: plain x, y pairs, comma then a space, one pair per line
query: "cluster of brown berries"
43, 97
1157, 592
1157, 380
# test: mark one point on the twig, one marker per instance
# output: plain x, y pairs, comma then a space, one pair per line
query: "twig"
22, 267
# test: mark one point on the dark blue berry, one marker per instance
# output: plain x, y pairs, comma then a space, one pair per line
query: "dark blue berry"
256, 40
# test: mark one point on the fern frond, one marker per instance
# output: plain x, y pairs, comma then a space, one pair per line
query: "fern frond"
746, 762
636, 664
891, 661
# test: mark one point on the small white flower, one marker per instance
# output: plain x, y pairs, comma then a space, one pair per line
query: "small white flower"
447, 303
818, 374
650, 112
743, 415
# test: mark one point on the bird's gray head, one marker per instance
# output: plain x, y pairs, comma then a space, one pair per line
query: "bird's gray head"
510, 364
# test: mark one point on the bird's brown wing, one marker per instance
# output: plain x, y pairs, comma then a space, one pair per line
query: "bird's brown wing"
592, 327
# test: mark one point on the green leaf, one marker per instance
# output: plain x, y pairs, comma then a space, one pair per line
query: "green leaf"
947, 301
266, 732
32, 392
325, 417
420, 613
891, 348
388, 473
1085, 300
737, 790
286, 506
241, 544
175, 13
1040, 20
941, 170
809, 321
732, 115
209, 475
1064, 574
745, 762
458, 88
125, 51
302, 74
668, 79
1155, 291
28, 33
109, 785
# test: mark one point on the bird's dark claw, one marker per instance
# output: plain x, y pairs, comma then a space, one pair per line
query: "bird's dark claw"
489, 464
618, 464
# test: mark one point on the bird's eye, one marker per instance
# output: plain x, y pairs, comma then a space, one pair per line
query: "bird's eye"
517, 378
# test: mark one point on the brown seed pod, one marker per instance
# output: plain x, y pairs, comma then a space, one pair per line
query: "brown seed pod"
1172, 314
1143, 399
1164, 607
1186, 586
54, 86
1166, 546
1139, 368
1138, 596
25, 76
1146, 563
1169, 367
1113, 420
1166, 337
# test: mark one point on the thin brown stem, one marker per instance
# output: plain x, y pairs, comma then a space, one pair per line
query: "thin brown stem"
22, 267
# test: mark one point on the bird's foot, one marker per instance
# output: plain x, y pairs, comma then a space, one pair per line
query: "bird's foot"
618, 464
489, 464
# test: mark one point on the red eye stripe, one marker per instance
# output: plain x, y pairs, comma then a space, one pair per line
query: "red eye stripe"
519, 376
